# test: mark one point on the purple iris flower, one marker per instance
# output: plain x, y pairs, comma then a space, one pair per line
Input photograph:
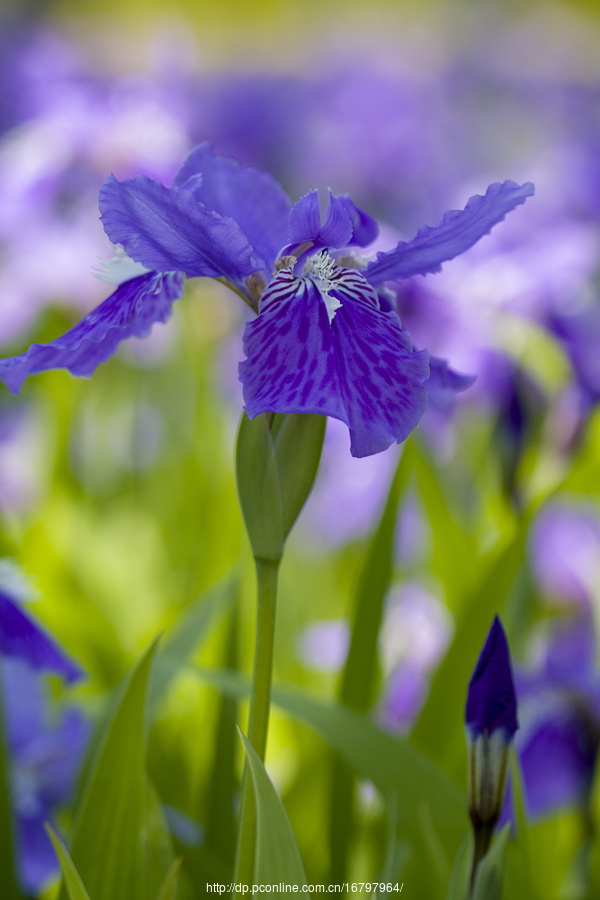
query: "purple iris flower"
321, 342
44, 760
560, 704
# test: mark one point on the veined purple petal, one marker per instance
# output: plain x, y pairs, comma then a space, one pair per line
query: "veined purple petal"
130, 311
167, 229
290, 364
21, 639
444, 383
381, 376
491, 699
252, 198
458, 230
359, 368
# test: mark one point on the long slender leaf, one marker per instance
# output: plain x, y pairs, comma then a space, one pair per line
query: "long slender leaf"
169, 889
107, 839
74, 884
385, 759
491, 872
220, 822
358, 678
157, 844
277, 856
189, 631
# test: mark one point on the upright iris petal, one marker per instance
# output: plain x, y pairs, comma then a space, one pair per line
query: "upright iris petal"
345, 225
167, 229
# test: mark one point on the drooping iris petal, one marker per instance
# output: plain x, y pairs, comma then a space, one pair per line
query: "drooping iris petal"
381, 377
167, 229
444, 383
21, 638
359, 367
458, 230
290, 364
253, 198
130, 311
491, 700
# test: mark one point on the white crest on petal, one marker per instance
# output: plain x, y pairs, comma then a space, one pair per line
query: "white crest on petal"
320, 269
119, 269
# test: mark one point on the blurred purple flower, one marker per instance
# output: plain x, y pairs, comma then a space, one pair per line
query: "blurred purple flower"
559, 705
564, 550
44, 760
414, 637
321, 342
21, 638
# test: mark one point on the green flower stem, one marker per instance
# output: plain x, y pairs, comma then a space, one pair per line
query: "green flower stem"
260, 702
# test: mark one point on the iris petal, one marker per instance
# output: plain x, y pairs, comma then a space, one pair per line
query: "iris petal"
290, 365
458, 230
167, 229
21, 639
360, 369
491, 700
381, 376
130, 311
253, 198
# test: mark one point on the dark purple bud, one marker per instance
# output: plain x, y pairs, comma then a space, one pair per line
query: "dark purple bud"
491, 700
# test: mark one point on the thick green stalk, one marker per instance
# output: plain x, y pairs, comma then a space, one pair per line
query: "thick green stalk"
260, 702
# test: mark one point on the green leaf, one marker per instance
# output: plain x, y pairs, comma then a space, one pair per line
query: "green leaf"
189, 631
277, 856
10, 890
359, 671
157, 844
258, 487
220, 818
358, 677
71, 877
107, 839
458, 889
425, 795
169, 888
489, 880
298, 441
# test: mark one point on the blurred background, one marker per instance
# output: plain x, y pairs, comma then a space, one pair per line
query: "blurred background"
117, 496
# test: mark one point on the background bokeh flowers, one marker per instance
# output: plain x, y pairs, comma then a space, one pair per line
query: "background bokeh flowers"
117, 495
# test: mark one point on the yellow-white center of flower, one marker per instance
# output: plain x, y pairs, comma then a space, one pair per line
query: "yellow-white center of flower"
320, 269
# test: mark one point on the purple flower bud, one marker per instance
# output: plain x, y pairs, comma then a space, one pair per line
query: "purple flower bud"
491, 720
491, 700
